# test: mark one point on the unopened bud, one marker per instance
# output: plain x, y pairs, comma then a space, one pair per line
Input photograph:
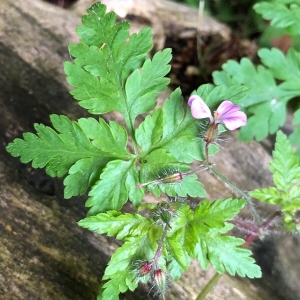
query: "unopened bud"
160, 280
166, 217
144, 268
173, 178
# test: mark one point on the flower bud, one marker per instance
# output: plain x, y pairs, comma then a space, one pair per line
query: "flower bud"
160, 280
166, 216
144, 268
172, 178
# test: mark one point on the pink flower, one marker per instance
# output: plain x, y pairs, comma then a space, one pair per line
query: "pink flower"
227, 113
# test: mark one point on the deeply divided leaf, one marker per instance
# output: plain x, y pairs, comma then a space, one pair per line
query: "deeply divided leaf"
283, 67
201, 235
282, 14
225, 254
286, 165
71, 148
120, 271
139, 235
286, 176
105, 58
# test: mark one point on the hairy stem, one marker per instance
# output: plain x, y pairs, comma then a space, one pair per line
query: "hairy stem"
239, 191
160, 244
208, 287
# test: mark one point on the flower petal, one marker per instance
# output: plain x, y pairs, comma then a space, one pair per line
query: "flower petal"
229, 114
234, 120
199, 109
226, 107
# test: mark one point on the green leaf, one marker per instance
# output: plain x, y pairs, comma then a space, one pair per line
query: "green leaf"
283, 67
120, 271
213, 215
106, 52
201, 235
66, 149
296, 120
270, 195
266, 118
286, 176
180, 131
200, 226
143, 86
295, 140
225, 254
260, 80
266, 101
175, 270
282, 13
105, 58
150, 130
113, 223
176, 237
116, 185
56, 151
110, 138
140, 237
83, 148
286, 165
83, 174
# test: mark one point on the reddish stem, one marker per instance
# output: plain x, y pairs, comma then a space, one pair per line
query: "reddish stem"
255, 231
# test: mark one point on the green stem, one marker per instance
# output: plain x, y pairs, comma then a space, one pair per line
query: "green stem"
131, 133
244, 195
208, 287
